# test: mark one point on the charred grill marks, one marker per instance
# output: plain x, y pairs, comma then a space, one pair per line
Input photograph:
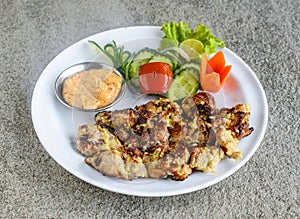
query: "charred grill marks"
162, 139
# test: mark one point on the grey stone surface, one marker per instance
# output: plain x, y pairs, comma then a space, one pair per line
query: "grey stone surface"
266, 34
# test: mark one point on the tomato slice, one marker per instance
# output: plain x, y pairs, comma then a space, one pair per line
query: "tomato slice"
155, 78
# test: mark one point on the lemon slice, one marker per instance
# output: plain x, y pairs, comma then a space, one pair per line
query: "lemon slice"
192, 47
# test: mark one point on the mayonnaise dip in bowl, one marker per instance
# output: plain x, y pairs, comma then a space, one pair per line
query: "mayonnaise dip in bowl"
90, 86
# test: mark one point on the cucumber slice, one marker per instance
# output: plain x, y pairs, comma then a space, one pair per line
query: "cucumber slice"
184, 84
142, 57
195, 65
177, 91
188, 65
145, 53
189, 82
194, 72
133, 84
164, 58
133, 71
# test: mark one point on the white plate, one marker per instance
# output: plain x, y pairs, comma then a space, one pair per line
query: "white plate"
55, 126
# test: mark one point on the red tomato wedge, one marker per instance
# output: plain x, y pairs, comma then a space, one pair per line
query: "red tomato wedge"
155, 78
213, 72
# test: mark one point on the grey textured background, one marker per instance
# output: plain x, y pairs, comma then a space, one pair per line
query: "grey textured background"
266, 34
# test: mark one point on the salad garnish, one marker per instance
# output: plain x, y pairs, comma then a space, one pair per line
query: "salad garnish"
176, 33
155, 78
214, 73
183, 49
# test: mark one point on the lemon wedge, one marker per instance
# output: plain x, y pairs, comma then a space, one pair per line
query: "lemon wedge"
192, 47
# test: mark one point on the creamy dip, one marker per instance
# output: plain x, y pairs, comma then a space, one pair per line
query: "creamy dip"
92, 89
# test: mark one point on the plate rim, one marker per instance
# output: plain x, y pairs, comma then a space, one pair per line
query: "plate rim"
143, 193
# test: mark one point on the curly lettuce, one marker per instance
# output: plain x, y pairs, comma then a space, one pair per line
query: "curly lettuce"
175, 33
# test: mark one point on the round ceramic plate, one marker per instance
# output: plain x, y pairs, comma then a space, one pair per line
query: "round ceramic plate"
56, 125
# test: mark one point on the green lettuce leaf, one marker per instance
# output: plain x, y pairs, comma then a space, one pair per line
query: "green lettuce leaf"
178, 32
166, 43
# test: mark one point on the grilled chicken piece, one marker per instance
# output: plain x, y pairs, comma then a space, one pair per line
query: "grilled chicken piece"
201, 104
165, 107
147, 128
214, 127
103, 119
230, 126
106, 154
144, 133
112, 163
237, 120
92, 139
206, 159
173, 165
161, 139
199, 113
176, 163
195, 132
120, 122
